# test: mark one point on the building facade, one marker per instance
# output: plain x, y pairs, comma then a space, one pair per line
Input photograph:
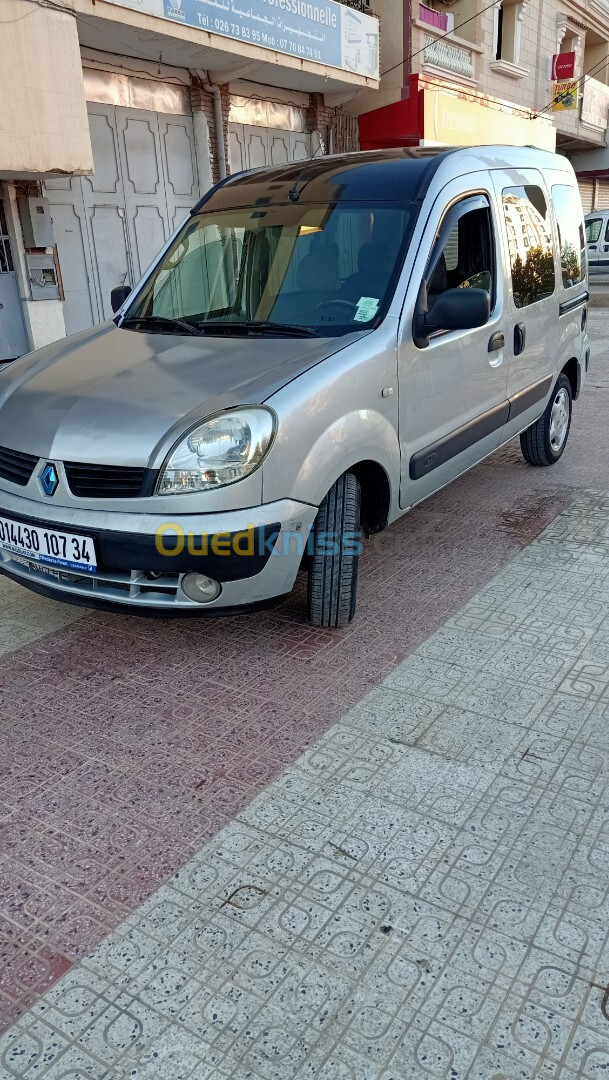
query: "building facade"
471, 72
118, 114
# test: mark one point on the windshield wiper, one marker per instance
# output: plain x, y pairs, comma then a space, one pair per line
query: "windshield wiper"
160, 320
253, 326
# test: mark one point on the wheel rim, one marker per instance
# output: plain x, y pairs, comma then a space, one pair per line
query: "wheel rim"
559, 420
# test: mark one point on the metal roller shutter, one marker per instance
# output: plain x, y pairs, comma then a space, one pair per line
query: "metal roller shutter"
602, 195
586, 190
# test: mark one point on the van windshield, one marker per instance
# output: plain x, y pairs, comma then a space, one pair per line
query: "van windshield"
302, 268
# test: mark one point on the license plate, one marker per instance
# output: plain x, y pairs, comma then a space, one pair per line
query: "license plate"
51, 547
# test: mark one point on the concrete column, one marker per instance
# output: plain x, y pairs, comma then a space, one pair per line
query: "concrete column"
204, 127
202, 135
320, 116
43, 319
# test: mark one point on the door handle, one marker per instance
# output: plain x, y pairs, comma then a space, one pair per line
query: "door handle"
496, 342
520, 337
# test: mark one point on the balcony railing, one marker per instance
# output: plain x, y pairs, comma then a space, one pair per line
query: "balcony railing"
445, 54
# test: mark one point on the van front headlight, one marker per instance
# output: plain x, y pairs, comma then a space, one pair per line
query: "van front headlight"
218, 452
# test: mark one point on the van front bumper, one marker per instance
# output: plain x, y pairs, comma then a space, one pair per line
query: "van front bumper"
253, 554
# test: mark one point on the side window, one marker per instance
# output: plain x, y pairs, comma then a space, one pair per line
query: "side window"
593, 229
607, 231
467, 256
570, 234
451, 250
527, 219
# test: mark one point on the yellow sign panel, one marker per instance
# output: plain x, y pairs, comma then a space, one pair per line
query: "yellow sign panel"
565, 96
453, 121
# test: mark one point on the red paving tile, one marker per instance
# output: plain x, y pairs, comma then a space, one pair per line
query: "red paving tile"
149, 735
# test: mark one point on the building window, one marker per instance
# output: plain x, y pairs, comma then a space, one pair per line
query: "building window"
595, 56
508, 22
532, 261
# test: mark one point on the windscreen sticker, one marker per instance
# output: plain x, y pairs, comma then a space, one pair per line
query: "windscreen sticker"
367, 307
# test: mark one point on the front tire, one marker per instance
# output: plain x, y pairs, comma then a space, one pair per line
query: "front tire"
333, 565
544, 442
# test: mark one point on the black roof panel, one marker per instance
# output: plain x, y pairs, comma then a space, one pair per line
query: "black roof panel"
400, 175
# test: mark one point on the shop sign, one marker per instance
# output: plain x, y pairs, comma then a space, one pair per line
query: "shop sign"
320, 30
595, 103
565, 96
449, 120
563, 66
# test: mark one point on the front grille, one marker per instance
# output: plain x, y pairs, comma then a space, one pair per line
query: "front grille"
15, 466
134, 588
108, 481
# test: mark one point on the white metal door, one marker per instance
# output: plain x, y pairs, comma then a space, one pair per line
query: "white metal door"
13, 342
254, 147
109, 226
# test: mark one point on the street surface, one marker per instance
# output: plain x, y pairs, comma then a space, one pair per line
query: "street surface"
253, 849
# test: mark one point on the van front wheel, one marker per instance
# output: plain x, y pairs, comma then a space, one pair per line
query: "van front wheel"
333, 563
543, 443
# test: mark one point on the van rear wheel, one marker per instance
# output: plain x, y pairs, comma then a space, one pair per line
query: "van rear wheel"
333, 565
544, 442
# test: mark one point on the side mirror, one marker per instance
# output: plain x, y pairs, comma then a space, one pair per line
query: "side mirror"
118, 296
459, 309
455, 309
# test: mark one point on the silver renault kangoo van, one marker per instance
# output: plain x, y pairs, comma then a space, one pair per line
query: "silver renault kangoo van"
319, 347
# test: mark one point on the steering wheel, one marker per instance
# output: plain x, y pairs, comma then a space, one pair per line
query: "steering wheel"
337, 302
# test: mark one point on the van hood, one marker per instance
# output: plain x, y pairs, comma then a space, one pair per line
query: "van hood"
121, 397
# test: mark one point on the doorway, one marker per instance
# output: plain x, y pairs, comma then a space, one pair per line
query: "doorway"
13, 340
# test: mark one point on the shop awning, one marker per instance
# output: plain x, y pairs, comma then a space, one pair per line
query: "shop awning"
434, 116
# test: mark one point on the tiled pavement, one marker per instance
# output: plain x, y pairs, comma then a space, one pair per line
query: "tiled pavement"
128, 744
423, 893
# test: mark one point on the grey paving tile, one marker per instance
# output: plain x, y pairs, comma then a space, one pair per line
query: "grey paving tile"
30, 1048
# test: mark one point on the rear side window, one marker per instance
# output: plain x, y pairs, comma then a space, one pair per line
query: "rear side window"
529, 235
593, 230
570, 234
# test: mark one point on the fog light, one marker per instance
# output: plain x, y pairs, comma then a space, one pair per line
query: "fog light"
200, 588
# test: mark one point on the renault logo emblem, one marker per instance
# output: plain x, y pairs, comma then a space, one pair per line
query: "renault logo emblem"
49, 479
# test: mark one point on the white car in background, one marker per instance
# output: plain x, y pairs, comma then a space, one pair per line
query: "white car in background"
597, 241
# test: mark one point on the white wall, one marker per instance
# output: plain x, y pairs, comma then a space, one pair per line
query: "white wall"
43, 116
43, 319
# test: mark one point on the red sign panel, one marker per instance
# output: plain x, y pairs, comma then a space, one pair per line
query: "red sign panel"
563, 66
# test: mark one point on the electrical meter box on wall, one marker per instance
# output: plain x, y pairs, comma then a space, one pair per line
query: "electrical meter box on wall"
42, 277
36, 222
